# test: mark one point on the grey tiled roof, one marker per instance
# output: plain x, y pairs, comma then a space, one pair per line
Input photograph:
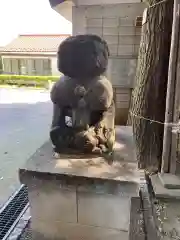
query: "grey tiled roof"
34, 43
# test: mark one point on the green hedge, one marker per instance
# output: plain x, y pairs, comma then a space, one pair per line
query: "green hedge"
24, 80
31, 78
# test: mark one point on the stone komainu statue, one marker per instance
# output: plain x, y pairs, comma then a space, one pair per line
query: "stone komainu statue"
83, 106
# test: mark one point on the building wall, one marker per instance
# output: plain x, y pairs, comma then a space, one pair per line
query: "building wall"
11, 64
55, 71
116, 24
99, 2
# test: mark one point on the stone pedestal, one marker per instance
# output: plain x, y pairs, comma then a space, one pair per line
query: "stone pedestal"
82, 197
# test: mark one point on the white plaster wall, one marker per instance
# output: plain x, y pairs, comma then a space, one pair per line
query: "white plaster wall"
65, 8
79, 20
55, 71
116, 24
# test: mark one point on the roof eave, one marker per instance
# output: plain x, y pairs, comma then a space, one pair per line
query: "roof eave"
64, 8
27, 53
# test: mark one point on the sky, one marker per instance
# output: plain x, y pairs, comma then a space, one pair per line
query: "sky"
29, 17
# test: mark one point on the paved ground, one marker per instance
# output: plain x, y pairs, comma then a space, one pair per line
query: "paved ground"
25, 117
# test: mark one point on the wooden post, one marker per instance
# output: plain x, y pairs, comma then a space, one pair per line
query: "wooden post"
171, 92
173, 161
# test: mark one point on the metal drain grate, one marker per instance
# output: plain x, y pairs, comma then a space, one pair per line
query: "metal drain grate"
12, 210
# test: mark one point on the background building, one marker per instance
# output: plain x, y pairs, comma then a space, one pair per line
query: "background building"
32, 55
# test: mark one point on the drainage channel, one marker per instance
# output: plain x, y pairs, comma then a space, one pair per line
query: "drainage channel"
12, 211
27, 233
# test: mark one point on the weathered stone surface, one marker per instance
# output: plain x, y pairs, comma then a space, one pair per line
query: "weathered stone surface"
68, 231
161, 191
170, 181
50, 202
81, 197
123, 168
109, 211
136, 228
168, 211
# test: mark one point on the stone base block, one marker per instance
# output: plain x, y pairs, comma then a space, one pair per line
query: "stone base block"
78, 197
74, 231
104, 205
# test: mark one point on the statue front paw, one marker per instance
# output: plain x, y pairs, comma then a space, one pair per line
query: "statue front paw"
85, 142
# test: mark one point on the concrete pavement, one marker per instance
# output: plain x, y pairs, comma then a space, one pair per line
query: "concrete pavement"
25, 117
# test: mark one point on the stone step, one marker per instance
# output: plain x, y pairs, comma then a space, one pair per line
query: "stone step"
161, 191
170, 181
